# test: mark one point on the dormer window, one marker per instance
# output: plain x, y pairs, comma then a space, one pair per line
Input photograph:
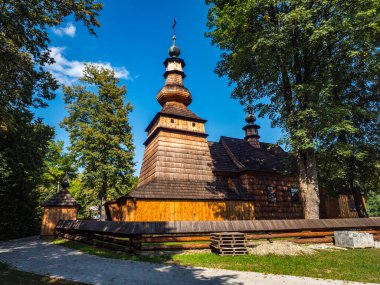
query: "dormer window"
271, 195
295, 194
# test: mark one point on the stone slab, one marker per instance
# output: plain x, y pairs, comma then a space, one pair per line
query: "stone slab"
352, 239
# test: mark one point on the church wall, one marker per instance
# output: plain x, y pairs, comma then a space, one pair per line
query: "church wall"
184, 210
283, 207
148, 166
183, 157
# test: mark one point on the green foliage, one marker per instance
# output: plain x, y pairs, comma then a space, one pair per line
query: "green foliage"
56, 164
25, 85
298, 55
373, 204
313, 67
23, 145
100, 134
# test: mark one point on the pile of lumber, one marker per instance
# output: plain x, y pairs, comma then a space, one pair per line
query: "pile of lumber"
229, 243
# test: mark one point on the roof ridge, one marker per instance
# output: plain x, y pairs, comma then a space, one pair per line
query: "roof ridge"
231, 155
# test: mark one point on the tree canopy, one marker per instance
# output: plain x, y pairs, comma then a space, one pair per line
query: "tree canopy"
100, 134
311, 66
24, 86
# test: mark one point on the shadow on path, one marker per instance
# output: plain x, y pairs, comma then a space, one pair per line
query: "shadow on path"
41, 257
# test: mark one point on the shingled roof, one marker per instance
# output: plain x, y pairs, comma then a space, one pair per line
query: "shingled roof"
232, 154
61, 199
219, 189
175, 110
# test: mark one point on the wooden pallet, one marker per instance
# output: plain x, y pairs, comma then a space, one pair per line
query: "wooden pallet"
229, 243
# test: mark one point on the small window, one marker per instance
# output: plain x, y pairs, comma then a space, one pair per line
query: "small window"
271, 194
295, 194
194, 124
172, 121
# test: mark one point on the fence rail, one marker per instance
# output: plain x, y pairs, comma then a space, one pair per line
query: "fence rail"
134, 237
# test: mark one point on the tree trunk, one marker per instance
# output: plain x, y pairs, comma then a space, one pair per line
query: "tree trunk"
102, 209
359, 204
308, 182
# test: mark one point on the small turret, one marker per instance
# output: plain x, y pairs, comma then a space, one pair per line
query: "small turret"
252, 131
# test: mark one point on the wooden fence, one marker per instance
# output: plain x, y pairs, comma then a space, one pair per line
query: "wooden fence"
134, 237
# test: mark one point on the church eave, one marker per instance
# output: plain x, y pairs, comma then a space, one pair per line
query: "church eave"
170, 130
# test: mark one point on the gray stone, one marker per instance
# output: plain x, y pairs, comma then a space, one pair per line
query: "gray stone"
353, 239
377, 244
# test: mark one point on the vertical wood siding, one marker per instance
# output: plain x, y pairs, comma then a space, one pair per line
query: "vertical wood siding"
52, 215
161, 210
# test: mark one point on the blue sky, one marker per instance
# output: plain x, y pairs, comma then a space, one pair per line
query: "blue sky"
134, 39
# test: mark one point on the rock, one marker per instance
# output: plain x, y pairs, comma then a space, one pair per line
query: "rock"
353, 239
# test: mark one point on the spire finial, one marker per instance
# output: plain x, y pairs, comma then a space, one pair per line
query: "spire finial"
174, 51
65, 182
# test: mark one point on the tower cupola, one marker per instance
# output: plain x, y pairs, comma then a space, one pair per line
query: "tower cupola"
252, 131
173, 90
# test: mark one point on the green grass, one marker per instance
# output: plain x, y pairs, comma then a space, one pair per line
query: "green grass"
352, 265
10, 276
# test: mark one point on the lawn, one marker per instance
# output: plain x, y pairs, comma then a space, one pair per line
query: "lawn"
10, 276
352, 265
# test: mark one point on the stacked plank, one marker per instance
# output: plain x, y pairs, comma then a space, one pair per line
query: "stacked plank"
229, 243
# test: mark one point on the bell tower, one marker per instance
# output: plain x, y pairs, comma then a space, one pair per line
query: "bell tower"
176, 147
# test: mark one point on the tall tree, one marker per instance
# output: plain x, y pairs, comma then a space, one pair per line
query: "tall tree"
293, 59
56, 164
100, 133
24, 86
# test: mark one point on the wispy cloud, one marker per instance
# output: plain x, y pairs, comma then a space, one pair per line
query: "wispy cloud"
68, 71
69, 30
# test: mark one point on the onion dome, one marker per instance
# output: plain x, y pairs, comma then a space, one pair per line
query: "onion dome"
250, 119
252, 131
173, 90
174, 51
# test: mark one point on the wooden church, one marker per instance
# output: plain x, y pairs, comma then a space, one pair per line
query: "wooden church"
184, 177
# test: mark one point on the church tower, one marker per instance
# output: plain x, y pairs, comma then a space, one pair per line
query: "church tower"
176, 147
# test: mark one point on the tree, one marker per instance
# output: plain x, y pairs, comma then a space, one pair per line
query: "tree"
24, 86
56, 164
23, 145
293, 61
100, 134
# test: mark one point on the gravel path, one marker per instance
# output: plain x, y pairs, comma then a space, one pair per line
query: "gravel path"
41, 257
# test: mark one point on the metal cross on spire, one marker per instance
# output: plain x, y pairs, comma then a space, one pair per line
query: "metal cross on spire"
173, 27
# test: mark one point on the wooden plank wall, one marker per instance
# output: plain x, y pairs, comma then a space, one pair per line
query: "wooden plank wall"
166, 210
52, 215
284, 207
344, 206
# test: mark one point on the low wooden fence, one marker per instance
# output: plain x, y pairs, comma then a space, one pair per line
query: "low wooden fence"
150, 236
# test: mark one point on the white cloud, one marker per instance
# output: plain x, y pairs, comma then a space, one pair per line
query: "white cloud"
69, 30
68, 71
